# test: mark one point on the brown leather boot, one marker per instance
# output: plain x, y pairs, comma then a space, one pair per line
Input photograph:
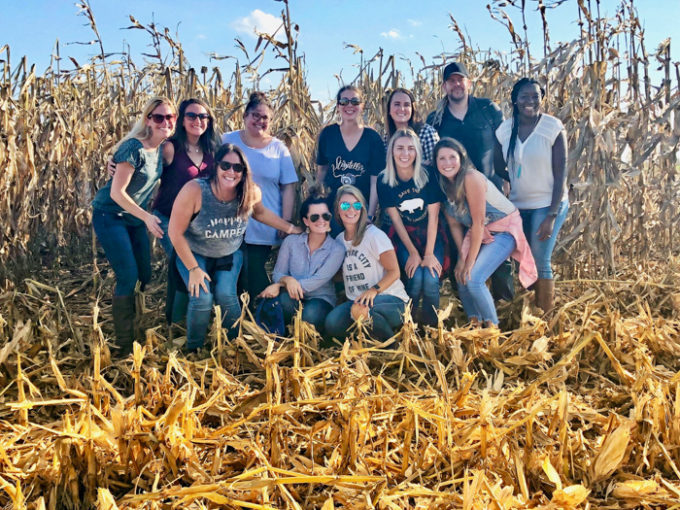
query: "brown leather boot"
123, 309
545, 294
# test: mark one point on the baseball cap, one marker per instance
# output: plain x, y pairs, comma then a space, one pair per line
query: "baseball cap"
455, 68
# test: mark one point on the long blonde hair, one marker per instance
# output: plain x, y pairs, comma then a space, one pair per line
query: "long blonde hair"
362, 224
454, 189
389, 175
140, 130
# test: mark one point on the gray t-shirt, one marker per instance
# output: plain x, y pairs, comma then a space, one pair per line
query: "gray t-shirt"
148, 165
217, 230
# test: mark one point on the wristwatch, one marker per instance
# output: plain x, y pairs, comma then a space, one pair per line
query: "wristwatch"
376, 287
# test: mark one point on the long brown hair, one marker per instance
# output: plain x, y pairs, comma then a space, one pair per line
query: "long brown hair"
363, 217
414, 121
454, 189
246, 190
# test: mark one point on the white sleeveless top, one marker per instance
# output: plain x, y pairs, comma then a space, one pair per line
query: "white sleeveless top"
531, 177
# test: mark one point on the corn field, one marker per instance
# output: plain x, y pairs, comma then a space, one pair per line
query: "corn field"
577, 410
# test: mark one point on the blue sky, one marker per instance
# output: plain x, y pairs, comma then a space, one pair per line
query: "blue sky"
31, 28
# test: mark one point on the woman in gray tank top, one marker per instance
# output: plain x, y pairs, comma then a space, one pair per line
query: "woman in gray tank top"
207, 226
494, 229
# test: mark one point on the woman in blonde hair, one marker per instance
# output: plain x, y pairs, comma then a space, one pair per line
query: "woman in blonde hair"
370, 271
119, 215
411, 199
207, 226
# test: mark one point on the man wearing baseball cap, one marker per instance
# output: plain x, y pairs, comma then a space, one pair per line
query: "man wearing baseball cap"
472, 121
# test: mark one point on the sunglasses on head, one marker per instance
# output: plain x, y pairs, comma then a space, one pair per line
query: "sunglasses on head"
344, 206
194, 116
159, 119
228, 165
344, 101
315, 217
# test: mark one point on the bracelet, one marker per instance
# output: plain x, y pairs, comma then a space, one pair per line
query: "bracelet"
195, 267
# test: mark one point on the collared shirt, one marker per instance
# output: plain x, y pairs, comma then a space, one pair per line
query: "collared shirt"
476, 132
313, 271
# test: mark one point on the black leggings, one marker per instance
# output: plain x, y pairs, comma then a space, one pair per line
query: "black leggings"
254, 277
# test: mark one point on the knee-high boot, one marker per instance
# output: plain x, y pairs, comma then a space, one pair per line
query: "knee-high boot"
124, 323
545, 294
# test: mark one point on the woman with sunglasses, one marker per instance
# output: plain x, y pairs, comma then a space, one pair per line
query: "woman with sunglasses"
370, 271
400, 113
207, 226
274, 173
411, 200
349, 152
494, 230
119, 215
305, 266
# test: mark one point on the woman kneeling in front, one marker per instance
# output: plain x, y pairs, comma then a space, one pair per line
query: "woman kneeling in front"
305, 266
370, 271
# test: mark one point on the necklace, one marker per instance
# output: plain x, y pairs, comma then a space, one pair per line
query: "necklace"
193, 148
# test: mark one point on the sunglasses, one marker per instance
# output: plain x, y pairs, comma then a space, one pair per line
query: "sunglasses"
159, 119
228, 165
315, 217
355, 101
344, 206
194, 116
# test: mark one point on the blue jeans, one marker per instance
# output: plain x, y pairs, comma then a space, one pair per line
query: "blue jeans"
222, 292
542, 250
475, 295
314, 310
126, 247
422, 283
387, 315
166, 244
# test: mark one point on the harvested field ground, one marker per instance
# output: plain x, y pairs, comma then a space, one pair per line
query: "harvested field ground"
580, 412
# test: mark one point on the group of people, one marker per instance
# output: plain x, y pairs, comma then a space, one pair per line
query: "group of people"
465, 189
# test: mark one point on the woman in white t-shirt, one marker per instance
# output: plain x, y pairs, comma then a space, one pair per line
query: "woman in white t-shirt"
370, 272
533, 146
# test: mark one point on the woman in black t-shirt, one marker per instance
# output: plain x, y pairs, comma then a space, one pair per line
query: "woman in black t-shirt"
349, 152
411, 199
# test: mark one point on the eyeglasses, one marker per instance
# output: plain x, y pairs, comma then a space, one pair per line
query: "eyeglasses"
257, 117
315, 217
236, 167
194, 116
158, 118
344, 101
344, 206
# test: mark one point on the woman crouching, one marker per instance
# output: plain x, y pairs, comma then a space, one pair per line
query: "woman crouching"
370, 271
494, 230
305, 266
207, 226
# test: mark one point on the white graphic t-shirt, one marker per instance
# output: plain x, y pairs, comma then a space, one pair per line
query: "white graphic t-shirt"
362, 269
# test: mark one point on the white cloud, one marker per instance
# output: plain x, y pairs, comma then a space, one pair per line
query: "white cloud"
391, 34
414, 22
258, 21
201, 37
